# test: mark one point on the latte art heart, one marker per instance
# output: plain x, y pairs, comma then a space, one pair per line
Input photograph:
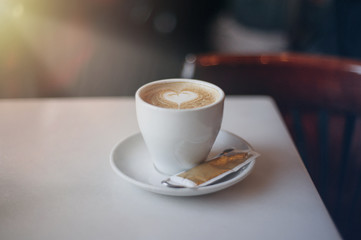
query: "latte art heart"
179, 98
179, 95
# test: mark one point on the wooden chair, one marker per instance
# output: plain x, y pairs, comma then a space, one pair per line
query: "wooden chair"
320, 100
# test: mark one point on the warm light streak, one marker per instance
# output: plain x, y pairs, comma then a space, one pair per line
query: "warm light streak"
18, 10
62, 47
50, 51
10, 9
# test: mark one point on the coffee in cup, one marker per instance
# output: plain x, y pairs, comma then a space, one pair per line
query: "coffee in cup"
179, 120
180, 95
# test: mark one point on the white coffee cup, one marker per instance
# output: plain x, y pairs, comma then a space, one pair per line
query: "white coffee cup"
179, 139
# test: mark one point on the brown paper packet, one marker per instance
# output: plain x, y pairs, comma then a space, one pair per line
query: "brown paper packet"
212, 170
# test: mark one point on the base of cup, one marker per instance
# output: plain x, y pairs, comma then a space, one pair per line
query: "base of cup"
164, 173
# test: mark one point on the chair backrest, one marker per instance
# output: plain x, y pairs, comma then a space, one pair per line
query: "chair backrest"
320, 100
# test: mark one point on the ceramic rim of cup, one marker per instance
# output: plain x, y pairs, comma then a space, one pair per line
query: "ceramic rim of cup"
170, 80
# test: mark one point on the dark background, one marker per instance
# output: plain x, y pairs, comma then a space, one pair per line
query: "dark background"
74, 48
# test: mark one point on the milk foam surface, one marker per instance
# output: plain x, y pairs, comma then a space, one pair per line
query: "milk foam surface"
179, 95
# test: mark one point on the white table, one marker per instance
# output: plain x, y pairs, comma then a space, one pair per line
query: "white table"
56, 181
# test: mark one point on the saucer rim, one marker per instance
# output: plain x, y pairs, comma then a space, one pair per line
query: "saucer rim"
181, 191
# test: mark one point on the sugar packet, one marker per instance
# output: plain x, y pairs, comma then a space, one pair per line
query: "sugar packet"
212, 170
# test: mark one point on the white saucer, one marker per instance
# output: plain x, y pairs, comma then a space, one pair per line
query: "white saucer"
130, 159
